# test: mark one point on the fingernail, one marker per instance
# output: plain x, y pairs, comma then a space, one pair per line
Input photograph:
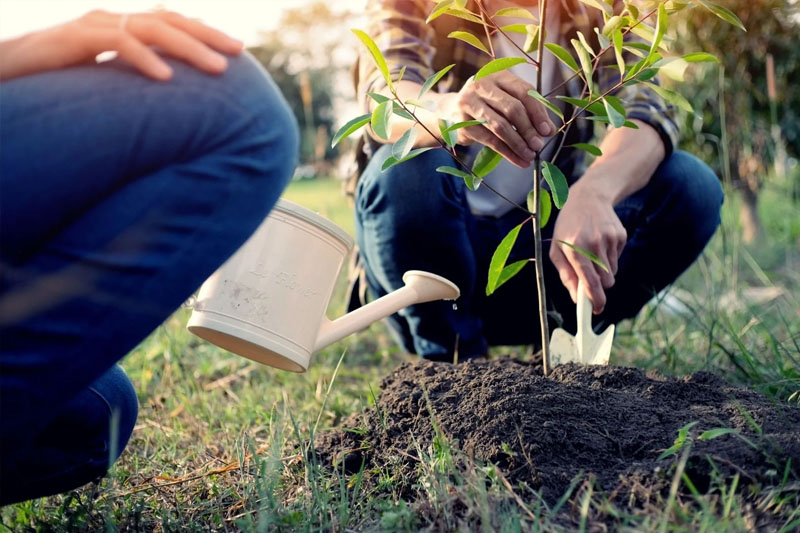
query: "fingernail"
537, 144
528, 154
545, 128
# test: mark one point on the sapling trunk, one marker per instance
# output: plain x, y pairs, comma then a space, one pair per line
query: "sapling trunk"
537, 227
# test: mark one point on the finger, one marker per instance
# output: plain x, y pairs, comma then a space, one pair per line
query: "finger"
485, 137
477, 108
153, 31
605, 274
132, 51
565, 272
585, 271
510, 108
535, 111
206, 34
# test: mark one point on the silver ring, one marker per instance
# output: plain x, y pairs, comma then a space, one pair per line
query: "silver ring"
123, 21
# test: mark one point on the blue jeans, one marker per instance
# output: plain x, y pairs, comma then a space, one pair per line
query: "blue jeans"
412, 217
119, 197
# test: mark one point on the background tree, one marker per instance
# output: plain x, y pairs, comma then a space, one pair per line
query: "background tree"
761, 113
307, 59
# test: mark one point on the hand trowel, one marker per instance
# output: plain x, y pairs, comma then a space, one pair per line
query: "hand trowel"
585, 347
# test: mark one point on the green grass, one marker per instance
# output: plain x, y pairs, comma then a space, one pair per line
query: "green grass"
222, 442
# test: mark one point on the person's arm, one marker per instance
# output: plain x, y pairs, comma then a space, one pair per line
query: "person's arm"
131, 36
515, 121
630, 157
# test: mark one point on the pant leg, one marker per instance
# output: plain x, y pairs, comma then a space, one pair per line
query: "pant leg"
87, 435
412, 217
120, 196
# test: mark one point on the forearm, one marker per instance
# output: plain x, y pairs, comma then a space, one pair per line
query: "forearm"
25, 55
630, 157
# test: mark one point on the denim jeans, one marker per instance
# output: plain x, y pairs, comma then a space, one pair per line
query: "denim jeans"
412, 217
120, 196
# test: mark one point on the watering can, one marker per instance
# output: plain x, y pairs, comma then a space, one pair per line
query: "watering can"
268, 301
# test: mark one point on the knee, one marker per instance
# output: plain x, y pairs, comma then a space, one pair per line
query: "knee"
696, 191
116, 423
409, 189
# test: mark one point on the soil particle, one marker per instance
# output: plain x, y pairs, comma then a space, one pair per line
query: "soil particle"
609, 423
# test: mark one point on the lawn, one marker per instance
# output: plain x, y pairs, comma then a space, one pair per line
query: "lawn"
223, 443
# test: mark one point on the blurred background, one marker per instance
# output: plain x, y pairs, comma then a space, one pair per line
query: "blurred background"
747, 108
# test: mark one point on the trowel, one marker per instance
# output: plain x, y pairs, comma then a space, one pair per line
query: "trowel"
585, 347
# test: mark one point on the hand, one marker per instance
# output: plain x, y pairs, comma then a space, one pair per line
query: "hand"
588, 220
515, 122
131, 36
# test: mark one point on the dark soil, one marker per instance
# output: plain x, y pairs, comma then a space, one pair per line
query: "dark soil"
611, 423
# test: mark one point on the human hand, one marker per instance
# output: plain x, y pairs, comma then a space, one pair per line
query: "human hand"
130, 35
588, 220
515, 122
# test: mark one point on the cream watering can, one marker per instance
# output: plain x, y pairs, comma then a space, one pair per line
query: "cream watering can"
268, 301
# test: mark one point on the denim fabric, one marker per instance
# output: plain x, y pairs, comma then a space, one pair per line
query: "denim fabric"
120, 195
412, 217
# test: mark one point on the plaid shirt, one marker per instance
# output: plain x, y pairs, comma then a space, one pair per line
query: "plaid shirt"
400, 31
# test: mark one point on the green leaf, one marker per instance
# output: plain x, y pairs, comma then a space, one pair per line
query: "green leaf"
465, 124
471, 181
615, 23
672, 97
586, 253
586, 62
433, 80
464, 14
417, 103
661, 29
378, 97
486, 160
382, 120
716, 432
448, 136
509, 271
532, 40
439, 10
552, 107
596, 107
724, 13
403, 146
377, 56
680, 441
346, 130
604, 41
615, 111
518, 12
402, 73
616, 37
497, 65
561, 53
469, 39
558, 183
590, 148
499, 259
700, 57
605, 8
515, 28
392, 160
585, 44
400, 112
545, 205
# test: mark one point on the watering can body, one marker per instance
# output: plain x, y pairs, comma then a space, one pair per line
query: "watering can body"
268, 301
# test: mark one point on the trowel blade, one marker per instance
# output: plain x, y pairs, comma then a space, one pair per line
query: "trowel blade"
602, 350
563, 348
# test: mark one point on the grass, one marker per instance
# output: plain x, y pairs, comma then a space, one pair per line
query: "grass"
222, 443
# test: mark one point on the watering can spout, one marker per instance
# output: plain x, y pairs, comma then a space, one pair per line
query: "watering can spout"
420, 287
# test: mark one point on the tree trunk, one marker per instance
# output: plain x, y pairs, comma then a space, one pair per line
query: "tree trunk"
748, 215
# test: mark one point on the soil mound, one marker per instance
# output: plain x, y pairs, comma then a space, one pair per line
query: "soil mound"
611, 423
